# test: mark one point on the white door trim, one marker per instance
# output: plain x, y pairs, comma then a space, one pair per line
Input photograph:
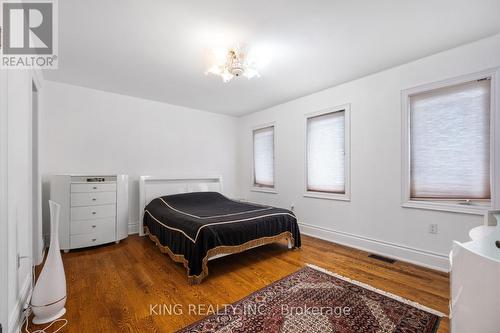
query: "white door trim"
38, 243
3, 200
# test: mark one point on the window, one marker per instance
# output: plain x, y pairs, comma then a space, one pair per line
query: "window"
263, 157
449, 142
326, 154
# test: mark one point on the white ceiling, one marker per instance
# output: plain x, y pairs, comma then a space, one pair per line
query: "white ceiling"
156, 49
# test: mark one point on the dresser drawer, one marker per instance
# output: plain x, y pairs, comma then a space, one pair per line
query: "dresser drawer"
92, 199
92, 212
95, 238
94, 187
90, 226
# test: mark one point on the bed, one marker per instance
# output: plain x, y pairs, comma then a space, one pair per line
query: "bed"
191, 221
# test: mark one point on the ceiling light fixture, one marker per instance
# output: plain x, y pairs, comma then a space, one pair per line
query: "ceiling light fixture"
232, 63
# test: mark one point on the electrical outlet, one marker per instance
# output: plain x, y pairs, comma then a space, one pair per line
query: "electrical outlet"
433, 228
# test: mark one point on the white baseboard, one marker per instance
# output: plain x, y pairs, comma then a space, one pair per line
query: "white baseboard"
15, 319
429, 259
133, 228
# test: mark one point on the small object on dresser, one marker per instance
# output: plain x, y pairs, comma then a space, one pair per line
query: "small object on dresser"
96, 179
94, 209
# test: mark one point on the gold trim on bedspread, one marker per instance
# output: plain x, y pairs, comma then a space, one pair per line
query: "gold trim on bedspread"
223, 249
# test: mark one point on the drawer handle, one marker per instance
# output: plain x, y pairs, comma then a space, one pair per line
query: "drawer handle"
94, 239
94, 199
93, 226
93, 213
95, 187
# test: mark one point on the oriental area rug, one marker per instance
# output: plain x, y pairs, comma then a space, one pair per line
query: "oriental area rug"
318, 301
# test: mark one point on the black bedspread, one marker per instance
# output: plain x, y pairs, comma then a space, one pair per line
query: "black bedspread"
191, 224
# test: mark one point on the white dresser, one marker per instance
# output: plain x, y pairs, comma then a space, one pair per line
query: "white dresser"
94, 209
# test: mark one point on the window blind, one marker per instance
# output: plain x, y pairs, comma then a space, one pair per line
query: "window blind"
450, 142
326, 153
263, 154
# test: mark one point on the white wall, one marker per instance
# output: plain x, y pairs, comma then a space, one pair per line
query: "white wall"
16, 97
4, 216
91, 131
374, 214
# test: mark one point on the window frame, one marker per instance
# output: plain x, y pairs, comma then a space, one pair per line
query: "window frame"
254, 187
347, 160
451, 205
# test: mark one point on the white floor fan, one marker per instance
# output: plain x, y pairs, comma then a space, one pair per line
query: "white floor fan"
49, 294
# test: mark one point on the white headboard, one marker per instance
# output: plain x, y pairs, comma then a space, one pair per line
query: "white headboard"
151, 187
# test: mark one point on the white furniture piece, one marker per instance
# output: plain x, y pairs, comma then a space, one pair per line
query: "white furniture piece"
49, 294
94, 209
475, 279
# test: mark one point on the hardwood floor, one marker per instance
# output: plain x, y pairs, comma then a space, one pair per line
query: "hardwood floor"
111, 288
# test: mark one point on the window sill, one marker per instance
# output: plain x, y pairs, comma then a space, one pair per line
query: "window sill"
475, 209
327, 196
264, 190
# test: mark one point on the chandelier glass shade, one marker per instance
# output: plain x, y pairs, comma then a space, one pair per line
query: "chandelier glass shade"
233, 63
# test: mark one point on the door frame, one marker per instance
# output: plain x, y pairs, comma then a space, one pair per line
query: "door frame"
3, 200
37, 224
